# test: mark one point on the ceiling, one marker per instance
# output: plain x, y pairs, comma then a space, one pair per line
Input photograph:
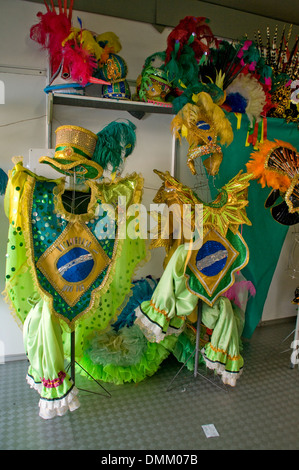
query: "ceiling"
228, 18
283, 10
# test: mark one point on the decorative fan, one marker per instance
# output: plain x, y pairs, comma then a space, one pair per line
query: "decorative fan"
276, 164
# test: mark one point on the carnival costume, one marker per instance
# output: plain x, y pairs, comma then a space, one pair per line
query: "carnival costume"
204, 272
67, 267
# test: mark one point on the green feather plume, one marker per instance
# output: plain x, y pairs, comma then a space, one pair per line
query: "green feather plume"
115, 143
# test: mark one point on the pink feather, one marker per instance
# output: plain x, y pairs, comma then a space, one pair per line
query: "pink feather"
80, 63
49, 33
233, 292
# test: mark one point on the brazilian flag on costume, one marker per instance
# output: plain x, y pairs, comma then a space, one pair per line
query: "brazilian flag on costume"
66, 258
211, 270
265, 236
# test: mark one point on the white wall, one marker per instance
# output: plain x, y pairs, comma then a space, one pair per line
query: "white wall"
279, 304
23, 127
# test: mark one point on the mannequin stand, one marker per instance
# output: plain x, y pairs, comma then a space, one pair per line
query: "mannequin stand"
196, 353
73, 362
72, 366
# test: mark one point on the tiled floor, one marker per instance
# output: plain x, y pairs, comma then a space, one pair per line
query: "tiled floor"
261, 412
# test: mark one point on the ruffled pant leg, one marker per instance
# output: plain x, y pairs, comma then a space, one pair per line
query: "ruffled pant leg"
46, 374
222, 353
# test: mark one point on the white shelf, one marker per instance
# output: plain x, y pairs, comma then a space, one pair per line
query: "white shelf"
140, 108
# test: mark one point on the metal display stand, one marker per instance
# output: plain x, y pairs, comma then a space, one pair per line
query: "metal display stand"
73, 362
72, 366
196, 352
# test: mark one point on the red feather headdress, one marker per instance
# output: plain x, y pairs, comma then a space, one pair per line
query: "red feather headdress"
193, 31
53, 27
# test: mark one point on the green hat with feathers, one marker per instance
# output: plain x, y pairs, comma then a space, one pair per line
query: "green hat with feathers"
87, 154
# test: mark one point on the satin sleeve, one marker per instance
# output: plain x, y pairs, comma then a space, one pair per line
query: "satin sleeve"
165, 313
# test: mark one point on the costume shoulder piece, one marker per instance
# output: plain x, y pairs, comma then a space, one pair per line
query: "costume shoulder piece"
69, 257
220, 250
66, 245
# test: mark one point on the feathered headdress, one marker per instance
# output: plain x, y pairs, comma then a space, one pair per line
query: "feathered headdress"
277, 53
246, 95
284, 64
74, 51
186, 45
223, 64
192, 31
276, 165
204, 126
153, 83
53, 27
87, 154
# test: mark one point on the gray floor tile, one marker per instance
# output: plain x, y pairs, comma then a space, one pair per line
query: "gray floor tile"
261, 412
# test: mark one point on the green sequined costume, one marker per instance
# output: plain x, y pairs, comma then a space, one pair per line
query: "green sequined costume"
66, 269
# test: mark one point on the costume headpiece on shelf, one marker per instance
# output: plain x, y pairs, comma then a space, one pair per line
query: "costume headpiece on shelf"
187, 45
192, 31
284, 63
227, 61
53, 27
80, 150
115, 71
276, 165
204, 126
75, 54
153, 84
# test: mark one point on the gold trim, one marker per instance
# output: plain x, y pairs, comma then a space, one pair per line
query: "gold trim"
216, 279
294, 182
57, 277
232, 275
59, 208
222, 351
54, 161
95, 298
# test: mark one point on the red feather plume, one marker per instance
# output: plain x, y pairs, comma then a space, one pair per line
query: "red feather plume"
194, 28
52, 29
